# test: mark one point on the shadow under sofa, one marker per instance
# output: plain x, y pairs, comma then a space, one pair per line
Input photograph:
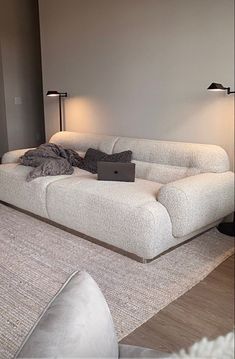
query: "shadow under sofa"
181, 190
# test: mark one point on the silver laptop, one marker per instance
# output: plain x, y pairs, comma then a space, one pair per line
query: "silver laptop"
116, 171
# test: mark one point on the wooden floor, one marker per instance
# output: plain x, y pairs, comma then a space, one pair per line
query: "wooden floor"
206, 310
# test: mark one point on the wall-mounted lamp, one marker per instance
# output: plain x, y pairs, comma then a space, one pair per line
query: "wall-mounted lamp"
225, 228
60, 95
219, 87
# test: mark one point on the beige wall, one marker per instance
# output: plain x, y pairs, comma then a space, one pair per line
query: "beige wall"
21, 73
140, 67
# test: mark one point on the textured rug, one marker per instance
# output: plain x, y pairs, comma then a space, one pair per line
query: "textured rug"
36, 258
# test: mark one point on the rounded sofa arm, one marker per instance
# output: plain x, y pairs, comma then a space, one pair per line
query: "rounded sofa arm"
13, 156
197, 201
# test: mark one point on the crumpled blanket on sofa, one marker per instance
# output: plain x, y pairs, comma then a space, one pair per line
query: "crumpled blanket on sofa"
50, 159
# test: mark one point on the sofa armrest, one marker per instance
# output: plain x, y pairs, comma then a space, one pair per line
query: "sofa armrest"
197, 201
13, 156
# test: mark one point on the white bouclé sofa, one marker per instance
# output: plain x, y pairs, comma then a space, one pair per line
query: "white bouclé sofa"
181, 190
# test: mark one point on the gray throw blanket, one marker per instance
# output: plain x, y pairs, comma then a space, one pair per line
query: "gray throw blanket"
50, 160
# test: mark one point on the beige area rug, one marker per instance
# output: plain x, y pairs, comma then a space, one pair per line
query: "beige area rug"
36, 258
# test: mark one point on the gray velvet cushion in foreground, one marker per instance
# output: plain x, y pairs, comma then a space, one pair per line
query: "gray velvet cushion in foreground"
76, 324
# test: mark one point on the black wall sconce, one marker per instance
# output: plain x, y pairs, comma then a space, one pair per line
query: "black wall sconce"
219, 87
60, 95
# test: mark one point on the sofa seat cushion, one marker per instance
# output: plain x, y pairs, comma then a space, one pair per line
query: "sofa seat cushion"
163, 173
126, 215
30, 196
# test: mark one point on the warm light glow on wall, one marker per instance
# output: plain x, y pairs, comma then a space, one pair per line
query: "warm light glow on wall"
218, 115
83, 114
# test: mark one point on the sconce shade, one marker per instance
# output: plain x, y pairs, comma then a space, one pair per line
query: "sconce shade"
53, 93
216, 87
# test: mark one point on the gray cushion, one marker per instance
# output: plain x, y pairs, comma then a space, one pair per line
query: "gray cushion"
76, 324
92, 156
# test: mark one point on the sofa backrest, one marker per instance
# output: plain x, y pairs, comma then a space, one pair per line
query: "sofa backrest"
82, 141
160, 161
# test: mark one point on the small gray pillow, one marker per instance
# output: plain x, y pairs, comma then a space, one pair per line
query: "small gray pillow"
92, 156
